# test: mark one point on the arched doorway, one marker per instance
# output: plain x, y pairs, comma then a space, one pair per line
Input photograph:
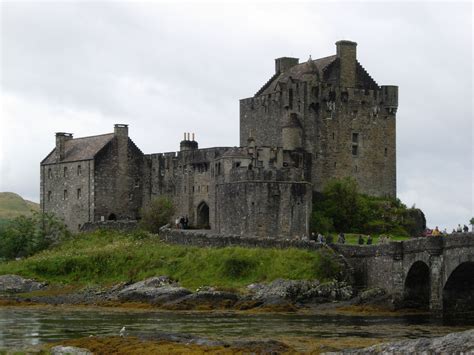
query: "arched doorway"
203, 215
112, 217
417, 286
458, 292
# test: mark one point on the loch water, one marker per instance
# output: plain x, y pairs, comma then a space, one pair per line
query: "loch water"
25, 327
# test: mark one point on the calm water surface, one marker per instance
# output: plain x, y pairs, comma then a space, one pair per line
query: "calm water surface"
26, 327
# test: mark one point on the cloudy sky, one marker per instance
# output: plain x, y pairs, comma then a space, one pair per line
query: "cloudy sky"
166, 68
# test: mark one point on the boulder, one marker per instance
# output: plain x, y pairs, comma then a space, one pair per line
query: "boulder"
155, 290
18, 284
454, 343
301, 291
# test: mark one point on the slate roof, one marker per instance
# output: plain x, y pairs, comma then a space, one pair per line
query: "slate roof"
84, 148
315, 66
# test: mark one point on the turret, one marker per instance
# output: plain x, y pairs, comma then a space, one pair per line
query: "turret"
390, 98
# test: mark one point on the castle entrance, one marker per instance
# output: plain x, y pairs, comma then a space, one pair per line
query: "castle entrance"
203, 216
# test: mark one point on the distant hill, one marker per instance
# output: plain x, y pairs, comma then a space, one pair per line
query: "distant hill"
13, 205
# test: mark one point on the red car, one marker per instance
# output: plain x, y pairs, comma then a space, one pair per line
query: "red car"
427, 233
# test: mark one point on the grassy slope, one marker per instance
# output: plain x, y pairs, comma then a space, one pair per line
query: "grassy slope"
106, 258
13, 205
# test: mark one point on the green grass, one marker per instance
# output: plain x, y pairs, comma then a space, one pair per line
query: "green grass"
354, 238
109, 257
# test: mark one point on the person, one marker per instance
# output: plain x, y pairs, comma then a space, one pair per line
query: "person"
181, 222
361, 240
341, 239
313, 236
445, 231
465, 229
459, 230
435, 232
186, 222
320, 238
369, 240
176, 222
454, 230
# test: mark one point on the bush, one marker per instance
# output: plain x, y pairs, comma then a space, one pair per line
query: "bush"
25, 236
157, 214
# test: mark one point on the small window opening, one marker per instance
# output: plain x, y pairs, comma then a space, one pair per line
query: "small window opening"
79, 170
355, 168
385, 152
49, 196
79, 193
335, 164
65, 171
355, 137
50, 173
333, 135
237, 164
354, 150
65, 195
290, 98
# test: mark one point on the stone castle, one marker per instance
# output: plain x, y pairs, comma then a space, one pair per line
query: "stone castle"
310, 122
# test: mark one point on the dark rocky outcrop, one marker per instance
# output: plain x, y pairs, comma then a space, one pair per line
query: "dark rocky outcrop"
18, 284
454, 343
156, 290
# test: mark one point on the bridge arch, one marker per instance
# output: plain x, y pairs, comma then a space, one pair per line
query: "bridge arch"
458, 291
417, 285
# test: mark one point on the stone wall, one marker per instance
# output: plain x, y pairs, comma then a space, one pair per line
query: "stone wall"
67, 191
123, 226
118, 181
216, 240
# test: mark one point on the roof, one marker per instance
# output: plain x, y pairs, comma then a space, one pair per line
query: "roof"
236, 152
310, 67
84, 148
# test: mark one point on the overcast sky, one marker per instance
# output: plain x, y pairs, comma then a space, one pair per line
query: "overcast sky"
167, 68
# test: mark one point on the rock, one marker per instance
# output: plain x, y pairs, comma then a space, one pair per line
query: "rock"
18, 284
204, 300
371, 294
302, 290
70, 350
155, 290
454, 343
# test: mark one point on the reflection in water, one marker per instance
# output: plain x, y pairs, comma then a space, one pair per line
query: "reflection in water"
22, 327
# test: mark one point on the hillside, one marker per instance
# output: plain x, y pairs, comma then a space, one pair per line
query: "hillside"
13, 205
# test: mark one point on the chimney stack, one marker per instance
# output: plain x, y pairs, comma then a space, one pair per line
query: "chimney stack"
347, 54
284, 63
61, 139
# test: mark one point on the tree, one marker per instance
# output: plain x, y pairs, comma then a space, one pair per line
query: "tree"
471, 222
157, 214
25, 236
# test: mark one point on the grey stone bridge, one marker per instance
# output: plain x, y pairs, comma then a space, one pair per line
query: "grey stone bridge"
436, 271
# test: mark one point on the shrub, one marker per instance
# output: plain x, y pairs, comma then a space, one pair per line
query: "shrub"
25, 236
157, 214
236, 267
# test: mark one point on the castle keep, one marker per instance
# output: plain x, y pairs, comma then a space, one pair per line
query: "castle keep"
313, 121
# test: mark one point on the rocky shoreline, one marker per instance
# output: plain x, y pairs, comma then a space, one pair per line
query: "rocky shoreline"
164, 293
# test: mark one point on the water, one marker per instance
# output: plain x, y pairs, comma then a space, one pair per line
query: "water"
26, 327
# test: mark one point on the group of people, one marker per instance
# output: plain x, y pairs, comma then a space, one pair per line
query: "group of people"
182, 222
436, 232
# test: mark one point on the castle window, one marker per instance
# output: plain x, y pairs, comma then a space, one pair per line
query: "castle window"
185, 188
79, 170
79, 193
333, 135
130, 197
49, 196
199, 188
354, 150
290, 98
335, 164
385, 152
207, 188
193, 188
65, 171
65, 195
355, 138
237, 164
50, 173
355, 168
137, 182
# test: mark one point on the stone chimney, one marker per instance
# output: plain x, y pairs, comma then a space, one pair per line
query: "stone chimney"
187, 143
284, 63
121, 130
61, 139
347, 54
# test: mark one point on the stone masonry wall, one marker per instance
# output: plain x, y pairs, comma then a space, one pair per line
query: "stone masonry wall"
67, 191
